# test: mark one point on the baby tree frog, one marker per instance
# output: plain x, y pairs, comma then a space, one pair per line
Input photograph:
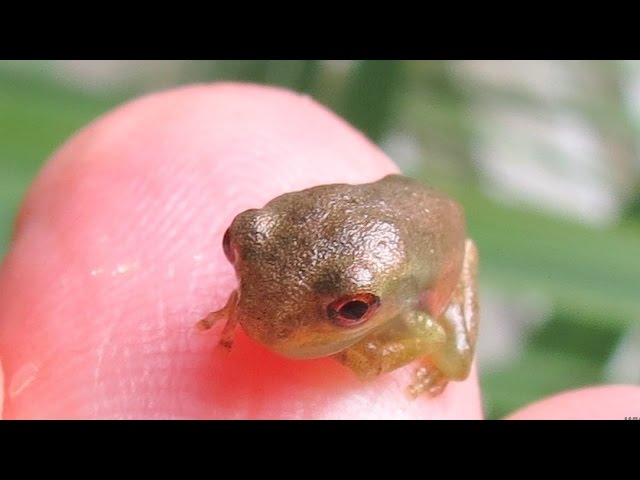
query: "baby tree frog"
375, 275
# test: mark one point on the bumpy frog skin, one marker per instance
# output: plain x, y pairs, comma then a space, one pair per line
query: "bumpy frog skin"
375, 275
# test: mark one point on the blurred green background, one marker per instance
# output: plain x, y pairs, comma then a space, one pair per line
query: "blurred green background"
543, 155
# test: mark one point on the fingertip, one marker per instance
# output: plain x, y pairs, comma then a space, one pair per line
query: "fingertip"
610, 402
1, 389
118, 256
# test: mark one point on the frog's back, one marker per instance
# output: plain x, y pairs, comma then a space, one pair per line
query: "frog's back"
432, 227
428, 226
427, 219
431, 224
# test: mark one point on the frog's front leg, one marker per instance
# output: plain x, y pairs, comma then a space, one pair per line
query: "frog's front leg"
394, 347
460, 322
228, 313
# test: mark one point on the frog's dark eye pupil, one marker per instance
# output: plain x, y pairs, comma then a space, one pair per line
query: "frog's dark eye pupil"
226, 246
353, 310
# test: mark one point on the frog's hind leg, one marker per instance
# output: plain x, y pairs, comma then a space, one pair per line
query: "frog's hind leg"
460, 322
227, 312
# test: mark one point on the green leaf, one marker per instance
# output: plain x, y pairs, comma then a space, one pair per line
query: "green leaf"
36, 116
371, 95
536, 375
595, 271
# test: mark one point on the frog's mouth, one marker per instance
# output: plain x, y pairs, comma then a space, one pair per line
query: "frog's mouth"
312, 348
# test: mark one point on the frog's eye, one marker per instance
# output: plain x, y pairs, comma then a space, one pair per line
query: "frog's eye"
226, 246
353, 310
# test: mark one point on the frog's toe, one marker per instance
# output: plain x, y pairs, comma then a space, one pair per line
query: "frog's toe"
225, 344
428, 380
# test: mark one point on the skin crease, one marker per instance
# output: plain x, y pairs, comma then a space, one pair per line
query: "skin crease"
116, 255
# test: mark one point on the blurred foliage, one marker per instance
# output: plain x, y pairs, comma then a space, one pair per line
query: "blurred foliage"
36, 115
592, 275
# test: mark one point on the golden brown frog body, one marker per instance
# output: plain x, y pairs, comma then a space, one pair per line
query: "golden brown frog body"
376, 275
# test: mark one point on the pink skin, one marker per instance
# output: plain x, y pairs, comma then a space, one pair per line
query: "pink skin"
117, 255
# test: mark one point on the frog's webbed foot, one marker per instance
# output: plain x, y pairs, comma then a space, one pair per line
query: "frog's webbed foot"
429, 380
227, 312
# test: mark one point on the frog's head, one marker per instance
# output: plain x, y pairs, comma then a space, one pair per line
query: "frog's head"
313, 279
